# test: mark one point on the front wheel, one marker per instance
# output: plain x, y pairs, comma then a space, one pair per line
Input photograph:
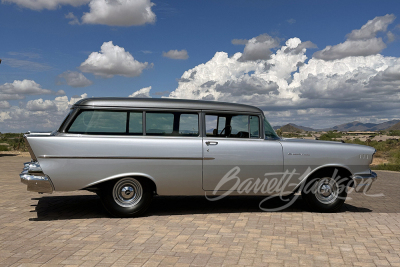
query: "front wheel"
326, 194
126, 197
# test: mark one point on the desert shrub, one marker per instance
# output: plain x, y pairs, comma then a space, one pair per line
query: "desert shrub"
394, 133
329, 136
395, 155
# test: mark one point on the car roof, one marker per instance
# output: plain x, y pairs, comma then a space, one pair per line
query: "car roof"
169, 103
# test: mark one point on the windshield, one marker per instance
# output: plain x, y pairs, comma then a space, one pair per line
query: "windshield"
269, 131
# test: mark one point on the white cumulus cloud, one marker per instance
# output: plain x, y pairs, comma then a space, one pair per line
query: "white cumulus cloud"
144, 92
45, 4
113, 60
351, 48
5, 115
4, 104
73, 19
257, 48
75, 79
291, 88
40, 105
119, 12
390, 36
18, 90
372, 27
361, 42
37, 115
175, 54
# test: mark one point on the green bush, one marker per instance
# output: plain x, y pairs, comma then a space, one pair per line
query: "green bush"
394, 133
331, 135
3, 148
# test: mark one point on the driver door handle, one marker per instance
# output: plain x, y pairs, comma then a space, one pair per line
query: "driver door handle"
208, 143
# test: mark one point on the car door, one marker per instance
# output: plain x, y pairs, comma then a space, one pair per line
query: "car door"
234, 150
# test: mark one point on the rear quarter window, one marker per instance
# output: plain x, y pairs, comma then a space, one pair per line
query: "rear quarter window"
99, 121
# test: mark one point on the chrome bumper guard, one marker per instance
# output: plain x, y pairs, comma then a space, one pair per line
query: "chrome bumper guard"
363, 182
35, 179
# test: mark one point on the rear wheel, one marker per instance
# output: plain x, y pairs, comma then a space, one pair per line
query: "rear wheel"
126, 197
325, 193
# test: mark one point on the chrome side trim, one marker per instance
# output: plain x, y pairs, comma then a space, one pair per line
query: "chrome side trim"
121, 157
363, 182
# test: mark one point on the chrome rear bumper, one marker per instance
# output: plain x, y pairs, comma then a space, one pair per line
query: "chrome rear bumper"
363, 182
35, 179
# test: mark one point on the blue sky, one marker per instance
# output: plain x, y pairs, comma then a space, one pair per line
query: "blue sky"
40, 45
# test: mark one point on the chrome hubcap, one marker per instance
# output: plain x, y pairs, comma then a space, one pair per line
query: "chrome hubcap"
326, 190
127, 192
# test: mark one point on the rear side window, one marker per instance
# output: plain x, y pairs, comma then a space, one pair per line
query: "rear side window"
172, 124
99, 121
189, 124
136, 123
159, 123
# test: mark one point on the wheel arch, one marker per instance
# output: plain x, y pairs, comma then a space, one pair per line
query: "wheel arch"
96, 185
343, 171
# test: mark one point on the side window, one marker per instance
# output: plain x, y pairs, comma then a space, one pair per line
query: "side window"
136, 123
159, 123
232, 126
189, 124
99, 121
254, 127
172, 124
240, 126
215, 125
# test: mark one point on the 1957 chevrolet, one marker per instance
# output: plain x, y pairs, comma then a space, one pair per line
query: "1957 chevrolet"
127, 150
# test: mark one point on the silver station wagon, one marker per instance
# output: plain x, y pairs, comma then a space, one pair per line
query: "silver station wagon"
127, 150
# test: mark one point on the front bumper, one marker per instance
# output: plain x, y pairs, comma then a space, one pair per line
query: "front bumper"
363, 182
35, 179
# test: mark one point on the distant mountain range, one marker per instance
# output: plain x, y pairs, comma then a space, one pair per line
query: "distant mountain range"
351, 126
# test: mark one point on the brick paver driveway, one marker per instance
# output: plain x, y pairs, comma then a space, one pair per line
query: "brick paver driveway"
72, 229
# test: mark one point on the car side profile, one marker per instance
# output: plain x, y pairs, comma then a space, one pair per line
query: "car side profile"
127, 150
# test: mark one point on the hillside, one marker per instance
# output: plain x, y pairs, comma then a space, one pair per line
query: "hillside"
307, 129
288, 128
394, 127
359, 126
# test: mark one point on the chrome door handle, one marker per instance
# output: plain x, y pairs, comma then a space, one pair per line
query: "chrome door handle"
211, 143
